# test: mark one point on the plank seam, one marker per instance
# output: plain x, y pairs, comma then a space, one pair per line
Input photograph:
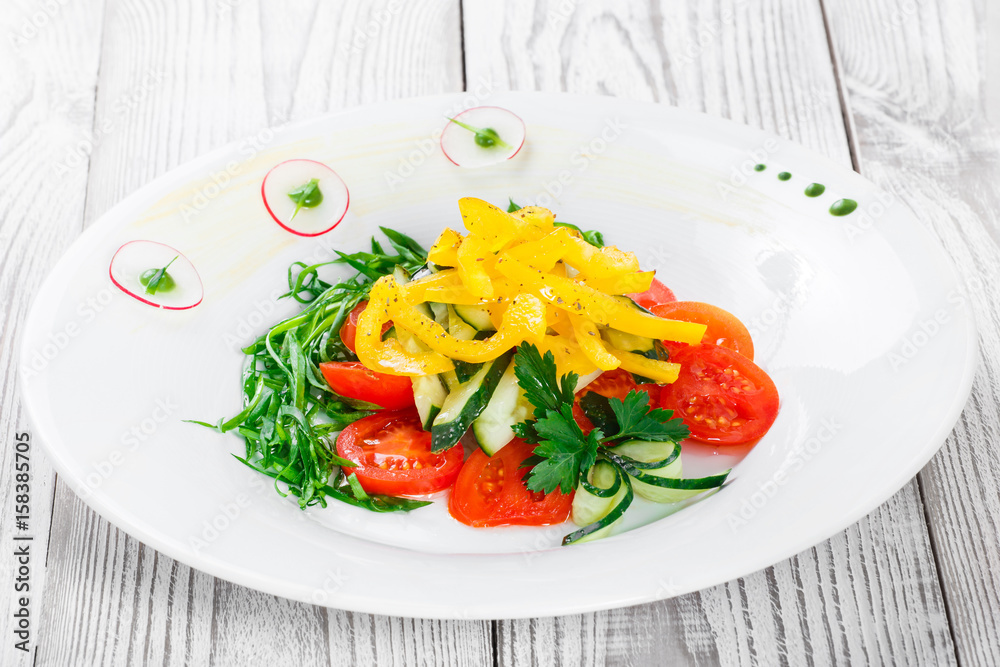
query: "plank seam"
845, 111
461, 40
948, 614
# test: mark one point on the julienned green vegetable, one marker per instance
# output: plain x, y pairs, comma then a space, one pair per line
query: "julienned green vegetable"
289, 411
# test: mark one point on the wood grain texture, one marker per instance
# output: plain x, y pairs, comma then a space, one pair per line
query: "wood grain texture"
868, 595
49, 81
914, 78
178, 79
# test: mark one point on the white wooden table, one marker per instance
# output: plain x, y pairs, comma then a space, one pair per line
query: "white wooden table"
98, 97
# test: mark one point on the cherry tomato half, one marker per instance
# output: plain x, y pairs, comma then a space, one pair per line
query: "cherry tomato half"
657, 294
349, 330
722, 396
490, 492
351, 379
724, 328
394, 456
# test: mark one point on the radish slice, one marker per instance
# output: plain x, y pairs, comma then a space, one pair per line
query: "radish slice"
137, 263
471, 148
312, 218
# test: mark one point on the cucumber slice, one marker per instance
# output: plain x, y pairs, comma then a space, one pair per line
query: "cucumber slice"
439, 312
627, 342
655, 467
589, 507
461, 330
493, 428
429, 391
458, 327
467, 402
652, 452
611, 513
476, 317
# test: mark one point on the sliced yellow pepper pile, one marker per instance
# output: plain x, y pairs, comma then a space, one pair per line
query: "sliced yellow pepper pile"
540, 283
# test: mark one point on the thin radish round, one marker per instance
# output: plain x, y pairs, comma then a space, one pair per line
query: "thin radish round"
482, 136
305, 197
157, 275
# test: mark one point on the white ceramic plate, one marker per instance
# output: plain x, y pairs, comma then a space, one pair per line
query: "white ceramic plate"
858, 319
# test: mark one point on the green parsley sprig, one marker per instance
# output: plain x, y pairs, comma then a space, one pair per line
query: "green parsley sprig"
563, 453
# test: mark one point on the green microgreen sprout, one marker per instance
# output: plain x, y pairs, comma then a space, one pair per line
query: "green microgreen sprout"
486, 137
306, 196
158, 279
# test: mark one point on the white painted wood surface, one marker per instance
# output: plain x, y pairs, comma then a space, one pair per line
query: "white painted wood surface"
914, 78
153, 83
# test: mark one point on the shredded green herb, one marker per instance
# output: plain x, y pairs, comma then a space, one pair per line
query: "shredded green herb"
290, 415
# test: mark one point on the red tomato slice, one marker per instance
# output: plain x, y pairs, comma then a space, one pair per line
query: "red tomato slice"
349, 330
656, 294
724, 328
394, 456
351, 379
490, 492
617, 384
723, 397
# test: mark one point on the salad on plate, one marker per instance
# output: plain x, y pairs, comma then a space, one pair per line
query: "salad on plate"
523, 368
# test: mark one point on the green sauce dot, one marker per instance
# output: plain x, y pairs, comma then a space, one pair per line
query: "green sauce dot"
166, 282
784, 176
760, 167
843, 207
815, 189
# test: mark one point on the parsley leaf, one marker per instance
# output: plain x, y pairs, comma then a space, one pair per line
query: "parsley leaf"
565, 450
537, 376
636, 420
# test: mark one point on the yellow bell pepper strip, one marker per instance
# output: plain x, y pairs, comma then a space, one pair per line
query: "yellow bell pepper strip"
606, 262
524, 320
445, 287
388, 356
627, 283
416, 290
603, 264
544, 253
579, 299
474, 256
445, 249
568, 355
458, 296
661, 372
589, 340
537, 217
493, 225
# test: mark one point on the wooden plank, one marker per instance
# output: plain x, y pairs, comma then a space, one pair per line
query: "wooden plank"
915, 78
49, 75
870, 594
191, 76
